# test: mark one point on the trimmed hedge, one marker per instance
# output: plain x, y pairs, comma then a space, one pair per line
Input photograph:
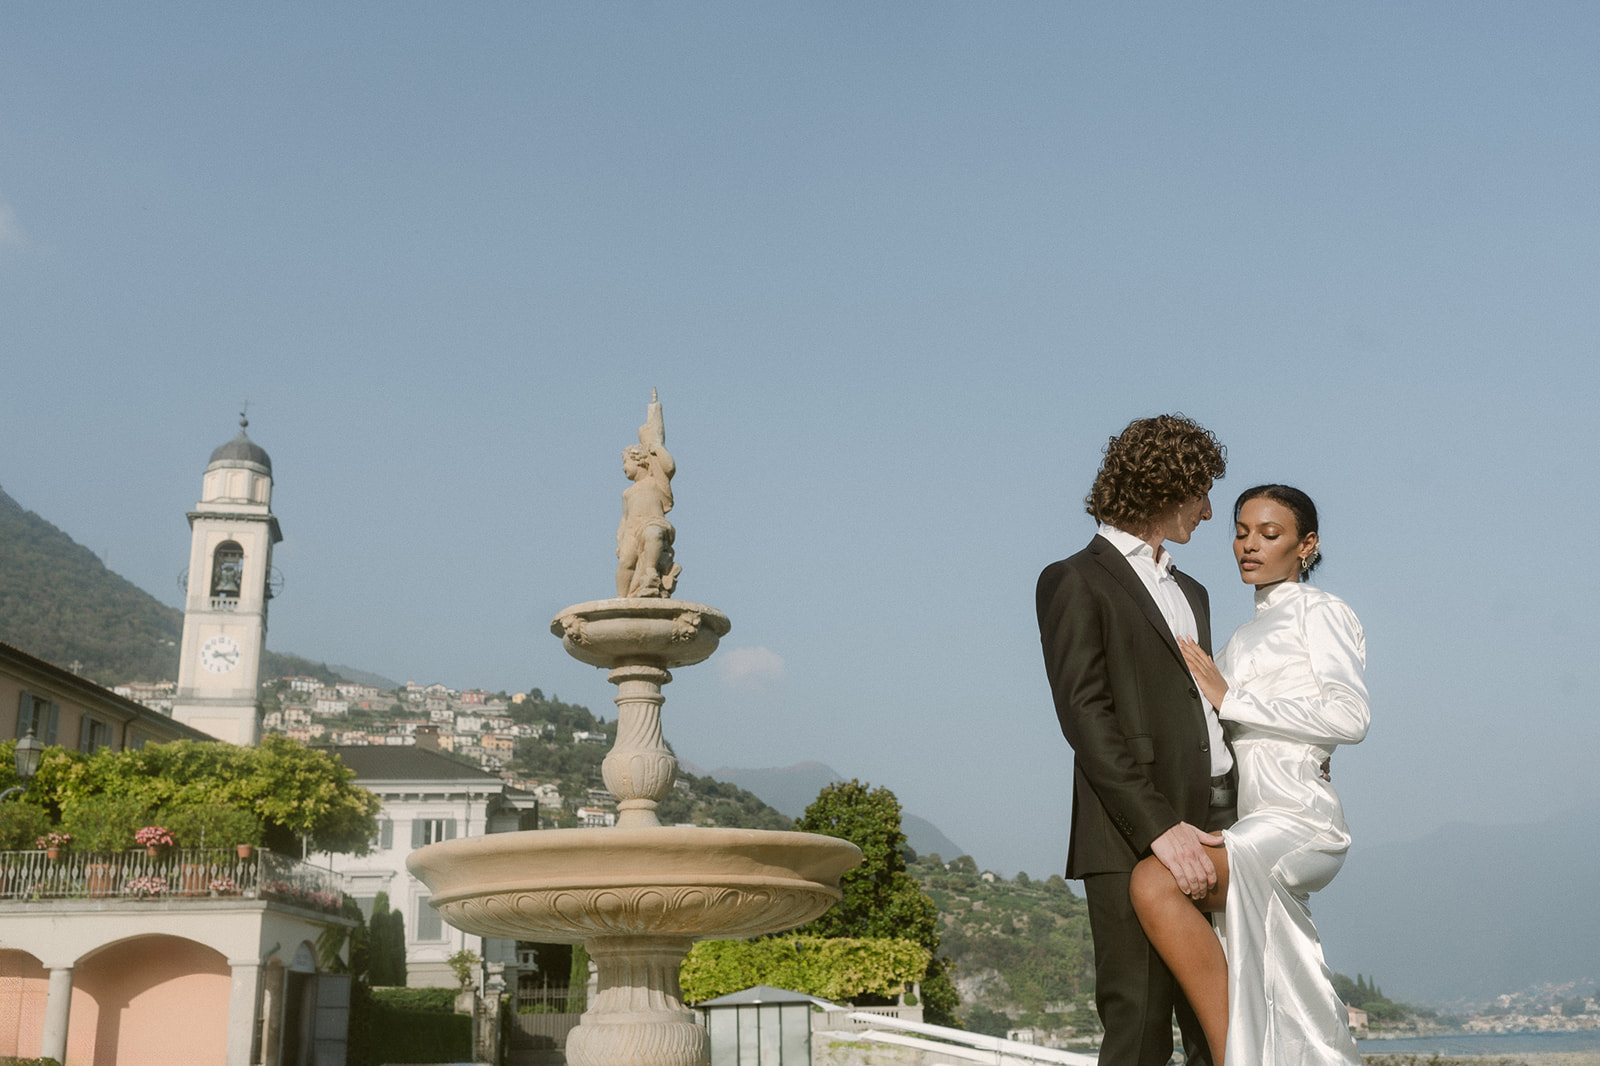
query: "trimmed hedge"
837, 968
411, 1025
442, 1000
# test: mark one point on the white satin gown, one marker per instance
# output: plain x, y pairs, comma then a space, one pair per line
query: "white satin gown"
1295, 692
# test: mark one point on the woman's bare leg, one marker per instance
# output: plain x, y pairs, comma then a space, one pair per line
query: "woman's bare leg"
1180, 932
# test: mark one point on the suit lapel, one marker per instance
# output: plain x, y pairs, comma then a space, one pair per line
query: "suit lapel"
1202, 616
1106, 554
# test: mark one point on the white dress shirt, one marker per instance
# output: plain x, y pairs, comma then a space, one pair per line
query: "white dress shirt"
1174, 605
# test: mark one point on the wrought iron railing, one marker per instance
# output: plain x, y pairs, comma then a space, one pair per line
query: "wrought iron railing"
171, 874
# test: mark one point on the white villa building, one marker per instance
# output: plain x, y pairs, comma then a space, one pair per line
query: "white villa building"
427, 797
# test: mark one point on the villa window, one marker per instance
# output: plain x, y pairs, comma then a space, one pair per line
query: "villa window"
425, 831
429, 925
93, 735
39, 714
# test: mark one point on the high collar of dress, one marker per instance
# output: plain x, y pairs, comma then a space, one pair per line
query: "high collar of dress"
1283, 590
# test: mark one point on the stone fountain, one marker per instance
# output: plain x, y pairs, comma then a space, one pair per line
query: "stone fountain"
637, 895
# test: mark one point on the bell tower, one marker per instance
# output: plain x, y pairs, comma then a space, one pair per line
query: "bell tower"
229, 584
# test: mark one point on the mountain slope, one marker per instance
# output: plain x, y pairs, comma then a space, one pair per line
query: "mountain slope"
791, 789
1468, 912
59, 602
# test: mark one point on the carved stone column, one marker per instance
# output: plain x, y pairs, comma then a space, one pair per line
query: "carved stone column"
640, 767
638, 1017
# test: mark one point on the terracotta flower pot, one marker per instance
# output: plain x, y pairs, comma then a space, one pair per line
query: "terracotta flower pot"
52, 854
155, 851
245, 850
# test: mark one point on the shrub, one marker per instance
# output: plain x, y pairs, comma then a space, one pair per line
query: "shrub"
836, 968
427, 1000
211, 826
104, 822
407, 1027
462, 963
20, 825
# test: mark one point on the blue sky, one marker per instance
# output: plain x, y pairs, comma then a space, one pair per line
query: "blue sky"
898, 271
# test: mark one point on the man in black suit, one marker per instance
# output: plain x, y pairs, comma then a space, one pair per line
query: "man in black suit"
1151, 771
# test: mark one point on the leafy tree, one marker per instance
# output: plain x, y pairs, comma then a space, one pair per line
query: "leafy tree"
880, 898
295, 791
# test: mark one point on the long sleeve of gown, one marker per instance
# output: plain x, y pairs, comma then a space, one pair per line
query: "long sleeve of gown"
1328, 710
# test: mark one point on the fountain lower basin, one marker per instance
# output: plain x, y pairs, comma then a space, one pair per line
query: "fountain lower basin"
575, 885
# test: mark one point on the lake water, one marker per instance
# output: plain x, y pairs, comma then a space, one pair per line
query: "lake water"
1484, 1044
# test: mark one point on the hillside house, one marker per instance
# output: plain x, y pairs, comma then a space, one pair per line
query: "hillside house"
596, 818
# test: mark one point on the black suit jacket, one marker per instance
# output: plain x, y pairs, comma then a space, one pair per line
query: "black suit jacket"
1127, 705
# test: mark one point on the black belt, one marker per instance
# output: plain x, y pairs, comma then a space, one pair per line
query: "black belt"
1222, 793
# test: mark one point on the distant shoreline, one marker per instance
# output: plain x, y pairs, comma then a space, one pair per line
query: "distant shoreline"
1574, 1047
1527, 1058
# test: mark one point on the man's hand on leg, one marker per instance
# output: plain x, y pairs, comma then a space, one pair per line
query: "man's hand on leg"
1182, 850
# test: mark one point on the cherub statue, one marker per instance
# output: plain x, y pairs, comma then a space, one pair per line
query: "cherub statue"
644, 537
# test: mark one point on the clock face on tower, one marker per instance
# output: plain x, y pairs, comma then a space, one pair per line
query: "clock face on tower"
220, 654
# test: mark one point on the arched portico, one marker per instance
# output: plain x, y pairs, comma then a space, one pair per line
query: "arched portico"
126, 996
24, 990
88, 984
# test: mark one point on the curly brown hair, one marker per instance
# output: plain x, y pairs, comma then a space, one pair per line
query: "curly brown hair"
1151, 465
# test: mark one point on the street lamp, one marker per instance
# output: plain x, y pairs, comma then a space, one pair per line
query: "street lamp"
29, 751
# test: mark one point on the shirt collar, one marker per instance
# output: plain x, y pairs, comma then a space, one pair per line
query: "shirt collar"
1133, 547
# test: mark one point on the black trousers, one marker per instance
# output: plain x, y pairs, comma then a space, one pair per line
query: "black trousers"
1134, 991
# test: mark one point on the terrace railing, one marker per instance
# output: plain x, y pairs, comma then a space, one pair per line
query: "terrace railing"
173, 874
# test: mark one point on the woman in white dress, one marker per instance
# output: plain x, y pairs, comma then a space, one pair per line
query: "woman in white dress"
1289, 688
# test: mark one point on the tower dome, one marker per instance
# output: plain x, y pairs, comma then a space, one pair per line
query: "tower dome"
242, 451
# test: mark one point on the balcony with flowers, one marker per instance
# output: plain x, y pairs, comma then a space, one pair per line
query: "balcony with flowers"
160, 873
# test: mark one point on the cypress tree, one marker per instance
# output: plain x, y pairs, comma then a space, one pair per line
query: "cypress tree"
397, 947
380, 952
578, 981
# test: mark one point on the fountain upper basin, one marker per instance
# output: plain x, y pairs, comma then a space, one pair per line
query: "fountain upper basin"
652, 632
571, 885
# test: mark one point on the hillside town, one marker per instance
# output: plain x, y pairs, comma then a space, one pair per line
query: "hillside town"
477, 727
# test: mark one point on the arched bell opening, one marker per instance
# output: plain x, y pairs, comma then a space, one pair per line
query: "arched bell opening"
227, 571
